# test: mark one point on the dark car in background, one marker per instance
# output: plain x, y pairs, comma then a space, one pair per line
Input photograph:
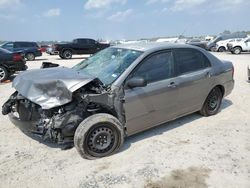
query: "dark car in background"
31, 50
79, 46
10, 62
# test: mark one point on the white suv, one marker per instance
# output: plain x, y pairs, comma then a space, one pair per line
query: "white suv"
221, 46
238, 47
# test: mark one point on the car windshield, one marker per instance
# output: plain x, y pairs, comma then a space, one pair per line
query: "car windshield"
108, 64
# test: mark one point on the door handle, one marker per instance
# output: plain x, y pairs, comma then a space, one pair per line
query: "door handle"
172, 85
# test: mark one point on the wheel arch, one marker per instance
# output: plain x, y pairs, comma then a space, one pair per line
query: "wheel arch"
222, 89
237, 47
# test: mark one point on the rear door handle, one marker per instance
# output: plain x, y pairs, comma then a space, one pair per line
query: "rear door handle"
172, 85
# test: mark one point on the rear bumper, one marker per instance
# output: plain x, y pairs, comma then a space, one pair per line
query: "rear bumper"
228, 87
17, 66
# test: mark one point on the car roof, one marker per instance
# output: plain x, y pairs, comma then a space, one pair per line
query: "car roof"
151, 46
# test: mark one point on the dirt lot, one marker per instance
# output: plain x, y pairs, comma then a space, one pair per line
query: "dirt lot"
192, 151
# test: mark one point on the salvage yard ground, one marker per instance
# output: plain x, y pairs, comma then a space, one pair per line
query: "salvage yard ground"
192, 151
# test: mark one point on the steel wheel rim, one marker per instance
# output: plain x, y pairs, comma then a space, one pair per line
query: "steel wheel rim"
101, 140
2, 74
213, 102
67, 54
30, 56
237, 51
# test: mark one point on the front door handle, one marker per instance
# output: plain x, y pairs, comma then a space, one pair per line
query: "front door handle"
172, 85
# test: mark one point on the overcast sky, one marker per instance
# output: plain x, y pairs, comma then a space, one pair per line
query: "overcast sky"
119, 19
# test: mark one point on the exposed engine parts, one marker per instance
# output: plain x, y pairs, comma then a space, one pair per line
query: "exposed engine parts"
59, 123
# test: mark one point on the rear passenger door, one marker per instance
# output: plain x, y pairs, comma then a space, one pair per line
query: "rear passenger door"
155, 103
194, 81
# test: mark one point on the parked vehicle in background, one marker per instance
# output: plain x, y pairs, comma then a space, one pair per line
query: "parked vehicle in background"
51, 51
221, 46
197, 42
211, 45
118, 92
79, 46
31, 50
237, 47
44, 48
10, 62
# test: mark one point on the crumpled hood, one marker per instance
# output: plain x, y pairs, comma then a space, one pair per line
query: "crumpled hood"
50, 87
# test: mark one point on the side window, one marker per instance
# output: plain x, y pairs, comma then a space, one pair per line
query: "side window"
190, 60
90, 41
82, 41
18, 45
155, 68
8, 45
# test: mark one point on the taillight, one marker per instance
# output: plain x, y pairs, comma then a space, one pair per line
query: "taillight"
17, 57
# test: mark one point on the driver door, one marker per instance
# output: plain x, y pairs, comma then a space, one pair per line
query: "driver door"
155, 103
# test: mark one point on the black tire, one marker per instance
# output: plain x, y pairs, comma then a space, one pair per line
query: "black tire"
4, 74
212, 103
99, 135
222, 49
237, 50
67, 54
61, 56
30, 56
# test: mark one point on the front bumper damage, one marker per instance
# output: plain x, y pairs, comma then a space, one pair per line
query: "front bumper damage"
58, 124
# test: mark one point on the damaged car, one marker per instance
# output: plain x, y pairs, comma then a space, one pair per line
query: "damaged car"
118, 92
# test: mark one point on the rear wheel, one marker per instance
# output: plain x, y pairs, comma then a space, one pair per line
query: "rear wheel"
30, 56
67, 54
222, 49
4, 74
237, 50
212, 103
98, 136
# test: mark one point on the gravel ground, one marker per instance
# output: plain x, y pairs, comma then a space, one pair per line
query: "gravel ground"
192, 151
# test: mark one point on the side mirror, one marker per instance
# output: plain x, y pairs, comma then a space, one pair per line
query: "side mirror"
136, 82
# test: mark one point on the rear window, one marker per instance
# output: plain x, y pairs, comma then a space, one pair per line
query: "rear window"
25, 44
190, 60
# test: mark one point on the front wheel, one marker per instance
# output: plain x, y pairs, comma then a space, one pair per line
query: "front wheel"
222, 49
237, 50
67, 54
61, 55
212, 103
99, 135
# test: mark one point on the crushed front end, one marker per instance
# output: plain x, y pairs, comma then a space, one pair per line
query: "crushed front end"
59, 123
